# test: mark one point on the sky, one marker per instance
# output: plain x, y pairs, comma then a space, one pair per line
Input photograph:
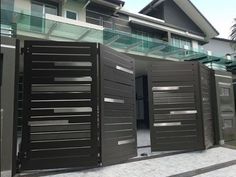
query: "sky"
220, 13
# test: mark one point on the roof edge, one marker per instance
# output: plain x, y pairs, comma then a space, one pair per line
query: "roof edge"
149, 5
195, 8
223, 39
204, 17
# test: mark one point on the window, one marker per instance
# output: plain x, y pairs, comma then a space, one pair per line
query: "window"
147, 37
180, 42
224, 91
38, 10
71, 15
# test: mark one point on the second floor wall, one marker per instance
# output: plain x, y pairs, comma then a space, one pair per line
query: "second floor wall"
69, 8
221, 47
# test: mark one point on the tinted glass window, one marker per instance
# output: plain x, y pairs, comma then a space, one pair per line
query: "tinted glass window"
51, 9
36, 22
71, 15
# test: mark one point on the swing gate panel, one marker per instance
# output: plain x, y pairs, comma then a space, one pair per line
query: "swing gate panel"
79, 106
60, 105
118, 122
176, 115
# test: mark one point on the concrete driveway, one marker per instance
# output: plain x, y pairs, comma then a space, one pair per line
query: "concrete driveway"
215, 162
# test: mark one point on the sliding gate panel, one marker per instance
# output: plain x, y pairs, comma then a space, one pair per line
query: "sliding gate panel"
60, 105
174, 106
118, 122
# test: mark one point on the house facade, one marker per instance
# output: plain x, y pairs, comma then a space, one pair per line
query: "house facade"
163, 29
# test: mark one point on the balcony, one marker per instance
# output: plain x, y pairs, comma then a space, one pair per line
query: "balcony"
61, 29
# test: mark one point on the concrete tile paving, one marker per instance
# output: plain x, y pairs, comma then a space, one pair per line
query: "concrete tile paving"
224, 172
161, 167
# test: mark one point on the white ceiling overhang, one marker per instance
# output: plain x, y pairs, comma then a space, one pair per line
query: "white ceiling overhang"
196, 16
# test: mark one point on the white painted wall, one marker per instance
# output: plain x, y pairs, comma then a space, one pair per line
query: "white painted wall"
195, 45
76, 6
219, 47
23, 6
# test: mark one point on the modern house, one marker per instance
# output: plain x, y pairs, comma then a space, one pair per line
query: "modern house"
222, 47
172, 30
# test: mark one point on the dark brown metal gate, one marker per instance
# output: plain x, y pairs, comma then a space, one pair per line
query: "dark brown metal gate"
60, 107
180, 110
118, 122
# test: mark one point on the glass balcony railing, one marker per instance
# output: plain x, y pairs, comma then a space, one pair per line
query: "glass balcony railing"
58, 28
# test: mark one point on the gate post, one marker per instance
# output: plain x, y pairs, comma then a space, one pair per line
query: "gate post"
10, 50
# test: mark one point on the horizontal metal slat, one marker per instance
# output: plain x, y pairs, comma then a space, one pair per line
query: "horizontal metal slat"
118, 113
51, 113
177, 128
118, 76
166, 134
62, 50
71, 161
59, 96
70, 118
184, 78
61, 88
73, 151
114, 120
61, 144
118, 127
61, 65
122, 61
60, 136
61, 58
56, 80
61, 73
117, 133
58, 104
53, 128
166, 139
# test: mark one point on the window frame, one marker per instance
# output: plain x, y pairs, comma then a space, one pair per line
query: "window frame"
45, 3
68, 10
180, 41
